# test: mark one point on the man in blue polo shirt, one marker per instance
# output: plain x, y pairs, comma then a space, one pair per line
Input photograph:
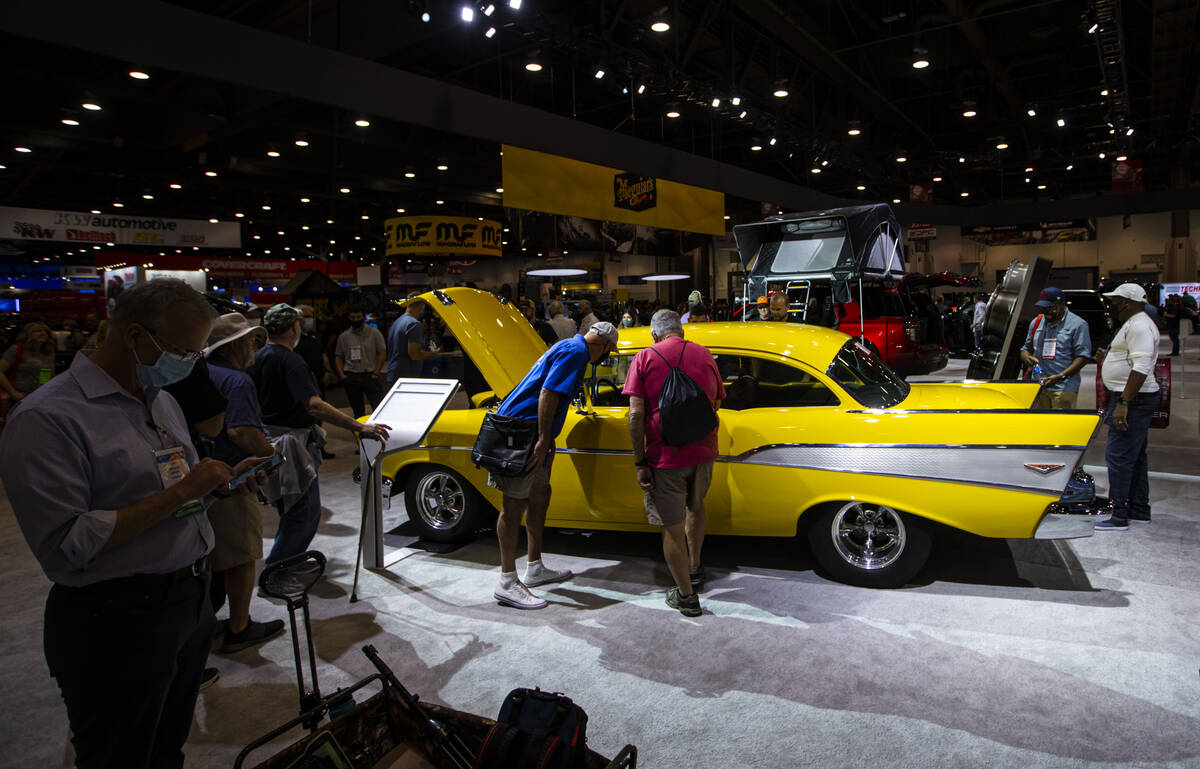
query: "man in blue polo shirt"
1058, 340
544, 395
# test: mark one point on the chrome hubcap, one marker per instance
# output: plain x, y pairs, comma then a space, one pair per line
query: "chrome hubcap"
868, 536
440, 500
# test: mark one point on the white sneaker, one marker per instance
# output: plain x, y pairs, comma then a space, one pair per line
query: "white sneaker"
537, 574
518, 597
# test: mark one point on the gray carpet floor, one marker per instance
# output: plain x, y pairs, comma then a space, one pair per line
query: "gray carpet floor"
1002, 653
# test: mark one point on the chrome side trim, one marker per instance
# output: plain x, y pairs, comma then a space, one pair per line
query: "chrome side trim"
1092, 412
931, 446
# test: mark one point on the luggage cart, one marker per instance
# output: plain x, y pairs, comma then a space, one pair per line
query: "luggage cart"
392, 728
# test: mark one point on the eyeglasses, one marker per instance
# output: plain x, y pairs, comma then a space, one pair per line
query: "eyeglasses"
189, 356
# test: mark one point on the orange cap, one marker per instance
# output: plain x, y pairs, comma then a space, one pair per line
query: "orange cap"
762, 300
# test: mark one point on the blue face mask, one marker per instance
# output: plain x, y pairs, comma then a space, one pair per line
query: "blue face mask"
168, 369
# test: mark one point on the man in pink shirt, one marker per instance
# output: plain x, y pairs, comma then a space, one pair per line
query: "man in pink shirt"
674, 478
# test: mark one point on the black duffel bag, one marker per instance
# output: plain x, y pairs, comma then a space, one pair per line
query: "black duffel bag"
504, 444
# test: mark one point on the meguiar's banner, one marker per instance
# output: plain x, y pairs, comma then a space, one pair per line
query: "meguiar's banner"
454, 236
121, 229
535, 181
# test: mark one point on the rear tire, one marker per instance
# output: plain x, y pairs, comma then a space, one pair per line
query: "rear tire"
442, 504
869, 545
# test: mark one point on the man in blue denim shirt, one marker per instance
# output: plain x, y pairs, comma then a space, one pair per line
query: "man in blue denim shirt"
1058, 341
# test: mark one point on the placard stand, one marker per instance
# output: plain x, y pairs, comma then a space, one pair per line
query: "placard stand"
409, 409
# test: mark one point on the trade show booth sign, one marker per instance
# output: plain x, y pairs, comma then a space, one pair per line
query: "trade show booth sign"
536, 181
453, 236
121, 229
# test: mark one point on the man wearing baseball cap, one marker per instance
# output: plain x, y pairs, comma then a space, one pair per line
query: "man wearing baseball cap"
1058, 340
543, 396
1128, 374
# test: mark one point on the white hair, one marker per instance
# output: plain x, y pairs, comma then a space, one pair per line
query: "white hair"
664, 323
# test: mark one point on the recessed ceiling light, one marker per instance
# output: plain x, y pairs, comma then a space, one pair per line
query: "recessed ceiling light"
533, 66
736, 101
240, 215
860, 187
814, 170
726, 217
962, 160
641, 89
409, 175
742, 115
772, 142
1031, 112
70, 121
399, 210
266, 206
854, 132
467, 14
969, 113
305, 200
1129, 131
344, 190
1102, 156
1028, 180
329, 221
937, 178
672, 113
213, 221
901, 159
304, 227
1122, 158
599, 73
175, 186
781, 93
362, 123
895, 200
91, 105
755, 147
272, 153
1070, 166
147, 196
443, 167
1041, 186
22, 150
964, 194
95, 210
489, 9
1062, 122
1002, 146
491, 32
139, 75
1104, 92
660, 26
425, 17
920, 64
365, 216
210, 173
302, 142
1029, 169
440, 202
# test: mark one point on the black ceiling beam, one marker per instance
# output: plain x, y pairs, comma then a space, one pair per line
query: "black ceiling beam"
174, 38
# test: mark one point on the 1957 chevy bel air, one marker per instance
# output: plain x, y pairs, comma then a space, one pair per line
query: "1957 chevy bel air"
816, 434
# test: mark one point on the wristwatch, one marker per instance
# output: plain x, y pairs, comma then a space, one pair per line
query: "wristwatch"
1124, 402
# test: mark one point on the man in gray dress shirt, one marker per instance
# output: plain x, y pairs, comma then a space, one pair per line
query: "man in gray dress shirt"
110, 495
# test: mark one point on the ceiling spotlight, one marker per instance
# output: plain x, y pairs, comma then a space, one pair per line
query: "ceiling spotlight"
1031, 112
1029, 169
921, 60
409, 175
1129, 131
305, 200
344, 190
969, 113
175, 186
641, 89
425, 17
302, 142
399, 210
780, 92
1062, 122
240, 215
1002, 145
491, 32
901, 159
467, 14
95, 210
742, 116
489, 9
365, 216
362, 122
329, 221
895, 200
272, 153
854, 129
937, 178
213, 221
118, 204
147, 195
210, 173
91, 106
672, 113
1041, 186
755, 147
266, 206
443, 167
1027, 180
964, 194
69, 121
22, 150
139, 75
814, 170
861, 187
962, 159
772, 142
1122, 158
1092, 29
514, 4
736, 101
1102, 156
440, 202
1104, 92
660, 26
1070, 166
599, 73
716, 102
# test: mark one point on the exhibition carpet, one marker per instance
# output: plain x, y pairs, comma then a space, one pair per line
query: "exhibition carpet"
1002, 653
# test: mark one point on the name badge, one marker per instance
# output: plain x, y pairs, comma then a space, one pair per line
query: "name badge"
172, 467
356, 353
1049, 346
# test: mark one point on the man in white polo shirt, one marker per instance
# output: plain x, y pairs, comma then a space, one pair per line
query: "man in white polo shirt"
1128, 374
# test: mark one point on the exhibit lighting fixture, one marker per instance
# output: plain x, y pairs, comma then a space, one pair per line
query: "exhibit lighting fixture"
362, 123
921, 58
1122, 158
491, 32
1041, 186
772, 142
489, 9
1092, 29
964, 194
91, 106
895, 200
514, 4
672, 113
854, 129
344, 190
210, 173
240, 215
969, 113
742, 116
814, 170
147, 195
1029, 169
599, 73
755, 147
213, 221
1002, 145
440, 202
1027, 180
443, 167
22, 150
305, 200
533, 66
425, 17
660, 26
861, 187
266, 206
70, 121
1062, 122
1104, 92
780, 92
272, 153
409, 175
1129, 131
556, 272
641, 89
1102, 156
1070, 166
716, 102
736, 101
302, 142
666, 276
1031, 112
467, 13
499, 189
962, 159
901, 159
937, 178
137, 74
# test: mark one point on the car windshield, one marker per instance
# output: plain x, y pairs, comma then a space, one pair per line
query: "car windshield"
867, 378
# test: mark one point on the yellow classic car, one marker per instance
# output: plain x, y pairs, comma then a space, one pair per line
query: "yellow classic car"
816, 434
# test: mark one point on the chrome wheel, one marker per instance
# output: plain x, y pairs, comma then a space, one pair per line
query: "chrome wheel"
440, 500
868, 536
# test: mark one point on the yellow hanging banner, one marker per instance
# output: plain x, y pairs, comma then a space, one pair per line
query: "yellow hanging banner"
442, 236
536, 181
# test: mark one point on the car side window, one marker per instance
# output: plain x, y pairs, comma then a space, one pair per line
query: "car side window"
605, 384
755, 383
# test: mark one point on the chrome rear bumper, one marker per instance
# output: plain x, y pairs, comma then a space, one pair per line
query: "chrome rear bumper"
1065, 526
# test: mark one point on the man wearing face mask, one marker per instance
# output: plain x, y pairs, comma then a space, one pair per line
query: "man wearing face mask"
360, 358
110, 495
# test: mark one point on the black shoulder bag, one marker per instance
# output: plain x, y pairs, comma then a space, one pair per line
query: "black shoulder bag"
504, 444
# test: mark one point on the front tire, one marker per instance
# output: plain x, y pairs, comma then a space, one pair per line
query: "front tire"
442, 505
869, 545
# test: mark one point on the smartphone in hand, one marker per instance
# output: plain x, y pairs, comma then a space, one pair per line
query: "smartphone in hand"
265, 466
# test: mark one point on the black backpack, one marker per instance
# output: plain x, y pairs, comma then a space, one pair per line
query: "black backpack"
536, 730
685, 414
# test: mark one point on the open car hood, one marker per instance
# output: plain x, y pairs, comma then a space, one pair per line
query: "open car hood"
497, 337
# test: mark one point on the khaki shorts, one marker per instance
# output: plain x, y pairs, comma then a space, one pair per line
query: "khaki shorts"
1056, 399
519, 486
676, 490
237, 524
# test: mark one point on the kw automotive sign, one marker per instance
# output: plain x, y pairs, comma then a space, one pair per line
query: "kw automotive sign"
454, 236
121, 229
536, 181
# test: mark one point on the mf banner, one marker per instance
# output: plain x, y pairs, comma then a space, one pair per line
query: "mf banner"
120, 229
453, 236
535, 181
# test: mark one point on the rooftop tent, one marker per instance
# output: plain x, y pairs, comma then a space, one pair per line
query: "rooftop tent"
838, 244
